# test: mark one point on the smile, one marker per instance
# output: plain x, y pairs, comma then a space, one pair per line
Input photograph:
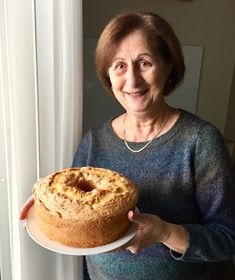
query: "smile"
136, 93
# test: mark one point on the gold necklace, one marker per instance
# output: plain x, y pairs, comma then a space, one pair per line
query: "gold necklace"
148, 142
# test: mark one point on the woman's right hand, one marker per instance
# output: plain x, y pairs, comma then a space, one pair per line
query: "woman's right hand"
28, 204
25, 207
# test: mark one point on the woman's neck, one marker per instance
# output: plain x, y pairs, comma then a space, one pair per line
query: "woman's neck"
145, 127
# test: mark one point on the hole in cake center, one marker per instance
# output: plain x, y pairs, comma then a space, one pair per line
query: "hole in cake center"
85, 186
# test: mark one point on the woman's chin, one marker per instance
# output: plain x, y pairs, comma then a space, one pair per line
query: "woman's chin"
137, 109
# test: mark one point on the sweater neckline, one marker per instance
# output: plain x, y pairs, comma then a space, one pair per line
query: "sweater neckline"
158, 141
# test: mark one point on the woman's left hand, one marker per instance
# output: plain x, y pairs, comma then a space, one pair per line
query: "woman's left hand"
151, 229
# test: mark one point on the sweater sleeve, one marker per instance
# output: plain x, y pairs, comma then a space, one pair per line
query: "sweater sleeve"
81, 155
214, 238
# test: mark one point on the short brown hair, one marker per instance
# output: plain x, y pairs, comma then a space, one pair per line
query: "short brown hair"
161, 39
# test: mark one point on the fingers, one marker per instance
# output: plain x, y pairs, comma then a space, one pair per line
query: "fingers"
117, 250
25, 207
130, 215
149, 230
133, 249
28, 203
137, 218
135, 245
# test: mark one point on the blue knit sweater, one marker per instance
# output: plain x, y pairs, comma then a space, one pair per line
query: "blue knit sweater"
185, 177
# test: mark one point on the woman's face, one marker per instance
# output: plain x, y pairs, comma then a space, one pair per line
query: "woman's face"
138, 78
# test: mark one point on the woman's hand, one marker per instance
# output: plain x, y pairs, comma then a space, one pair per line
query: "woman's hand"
151, 229
27, 205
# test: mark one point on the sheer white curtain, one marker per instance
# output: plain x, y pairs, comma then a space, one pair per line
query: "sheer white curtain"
41, 93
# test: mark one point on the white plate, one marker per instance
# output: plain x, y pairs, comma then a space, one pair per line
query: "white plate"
37, 235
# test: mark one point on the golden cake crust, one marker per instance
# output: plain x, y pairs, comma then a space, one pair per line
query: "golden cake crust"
84, 207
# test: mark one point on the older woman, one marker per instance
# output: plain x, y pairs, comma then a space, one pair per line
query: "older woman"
178, 161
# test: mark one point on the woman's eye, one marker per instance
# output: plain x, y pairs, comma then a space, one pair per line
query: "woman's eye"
120, 66
144, 64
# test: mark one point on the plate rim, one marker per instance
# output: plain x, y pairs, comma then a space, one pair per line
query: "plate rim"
32, 228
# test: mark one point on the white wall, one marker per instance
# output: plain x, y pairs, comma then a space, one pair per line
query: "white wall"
209, 23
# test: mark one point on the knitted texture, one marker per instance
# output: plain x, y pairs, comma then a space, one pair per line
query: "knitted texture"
185, 177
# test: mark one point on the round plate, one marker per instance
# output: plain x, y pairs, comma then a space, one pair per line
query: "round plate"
37, 235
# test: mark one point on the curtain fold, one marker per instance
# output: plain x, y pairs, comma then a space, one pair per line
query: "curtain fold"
63, 111
42, 102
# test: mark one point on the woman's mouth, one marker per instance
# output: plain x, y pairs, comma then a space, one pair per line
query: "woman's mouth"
136, 93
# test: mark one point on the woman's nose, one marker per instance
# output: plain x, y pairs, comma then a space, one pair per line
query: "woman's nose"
133, 77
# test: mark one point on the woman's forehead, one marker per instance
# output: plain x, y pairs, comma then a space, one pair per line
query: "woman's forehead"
134, 42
